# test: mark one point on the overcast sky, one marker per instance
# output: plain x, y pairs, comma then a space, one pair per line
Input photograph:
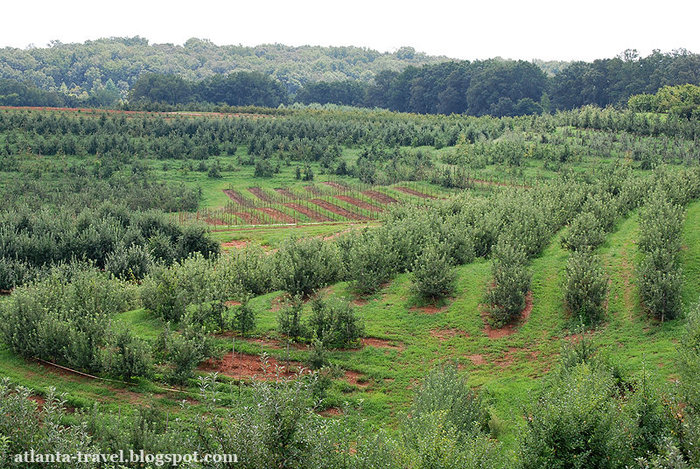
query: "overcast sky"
523, 29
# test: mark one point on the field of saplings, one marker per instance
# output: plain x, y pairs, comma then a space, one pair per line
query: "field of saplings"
342, 288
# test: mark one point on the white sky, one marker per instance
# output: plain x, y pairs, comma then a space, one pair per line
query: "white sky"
545, 29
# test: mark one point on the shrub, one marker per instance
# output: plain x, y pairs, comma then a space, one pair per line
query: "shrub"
244, 318
125, 356
168, 291
660, 283
334, 323
660, 225
575, 422
511, 277
133, 262
305, 265
585, 287
211, 315
444, 390
373, 263
289, 319
584, 233
184, 351
433, 275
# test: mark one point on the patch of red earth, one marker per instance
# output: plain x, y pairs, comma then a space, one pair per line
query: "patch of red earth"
508, 329
41, 402
408, 190
238, 244
287, 193
312, 214
249, 218
429, 309
336, 185
356, 378
243, 366
338, 210
232, 303
260, 194
313, 189
277, 215
270, 227
380, 343
359, 302
378, 196
236, 197
213, 221
331, 412
477, 359
359, 203
447, 333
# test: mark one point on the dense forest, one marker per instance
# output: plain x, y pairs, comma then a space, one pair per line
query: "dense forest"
114, 72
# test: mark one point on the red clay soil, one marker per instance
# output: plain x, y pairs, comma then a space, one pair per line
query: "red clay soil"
359, 203
354, 377
213, 221
236, 197
510, 328
249, 218
287, 193
380, 343
313, 190
244, 366
379, 197
277, 215
477, 359
335, 185
330, 412
260, 194
410, 191
238, 244
312, 214
338, 210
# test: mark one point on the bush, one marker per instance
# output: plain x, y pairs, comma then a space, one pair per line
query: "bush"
575, 423
289, 319
586, 287
334, 323
211, 315
433, 275
64, 317
444, 390
660, 283
244, 318
302, 266
134, 262
511, 277
584, 233
125, 356
372, 264
186, 350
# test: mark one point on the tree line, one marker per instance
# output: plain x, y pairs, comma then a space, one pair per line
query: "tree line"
495, 87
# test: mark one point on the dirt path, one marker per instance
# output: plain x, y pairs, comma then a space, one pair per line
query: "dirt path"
410, 191
277, 215
312, 214
243, 366
260, 194
338, 210
313, 190
236, 197
249, 218
359, 203
379, 197
287, 193
335, 185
